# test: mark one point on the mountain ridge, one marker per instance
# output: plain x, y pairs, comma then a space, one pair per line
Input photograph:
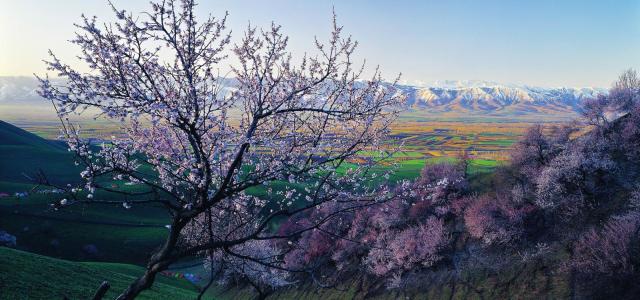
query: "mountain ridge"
499, 98
447, 96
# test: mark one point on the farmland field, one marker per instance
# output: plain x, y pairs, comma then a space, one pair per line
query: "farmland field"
483, 138
486, 143
486, 140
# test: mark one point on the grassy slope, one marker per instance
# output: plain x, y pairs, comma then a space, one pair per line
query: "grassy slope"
30, 276
63, 233
22, 152
66, 239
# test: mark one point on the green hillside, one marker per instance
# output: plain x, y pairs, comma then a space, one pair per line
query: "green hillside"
30, 276
24, 153
13, 136
120, 235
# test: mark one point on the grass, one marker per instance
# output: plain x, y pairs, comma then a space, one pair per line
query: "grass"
64, 233
41, 277
66, 239
30, 276
23, 154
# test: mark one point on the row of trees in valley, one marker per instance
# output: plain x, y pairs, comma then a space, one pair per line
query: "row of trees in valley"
291, 126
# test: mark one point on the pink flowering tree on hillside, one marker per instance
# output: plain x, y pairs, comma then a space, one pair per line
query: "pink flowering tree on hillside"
198, 144
389, 242
623, 99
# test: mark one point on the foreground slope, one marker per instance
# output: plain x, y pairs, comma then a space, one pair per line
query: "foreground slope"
30, 276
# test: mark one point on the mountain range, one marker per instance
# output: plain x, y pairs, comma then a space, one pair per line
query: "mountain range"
442, 97
497, 98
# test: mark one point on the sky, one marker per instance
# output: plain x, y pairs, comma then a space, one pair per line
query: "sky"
539, 43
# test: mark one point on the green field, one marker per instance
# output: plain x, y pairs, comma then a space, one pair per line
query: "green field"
25, 275
120, 235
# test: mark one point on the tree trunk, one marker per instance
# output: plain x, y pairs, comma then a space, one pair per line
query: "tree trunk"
157, 263
142, 283
102, 290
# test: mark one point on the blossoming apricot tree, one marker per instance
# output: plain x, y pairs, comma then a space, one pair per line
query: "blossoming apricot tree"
197, 141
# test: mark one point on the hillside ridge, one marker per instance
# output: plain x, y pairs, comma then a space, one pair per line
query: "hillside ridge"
11, 135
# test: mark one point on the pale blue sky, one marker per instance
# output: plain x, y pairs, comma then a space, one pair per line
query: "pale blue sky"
545, 43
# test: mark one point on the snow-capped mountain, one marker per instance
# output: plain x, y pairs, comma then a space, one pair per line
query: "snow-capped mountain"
496, 98
18, 90
448, 96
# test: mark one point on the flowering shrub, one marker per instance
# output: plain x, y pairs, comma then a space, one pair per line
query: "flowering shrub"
407, 249
496, 221
608, 250
404, 234
233, 266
